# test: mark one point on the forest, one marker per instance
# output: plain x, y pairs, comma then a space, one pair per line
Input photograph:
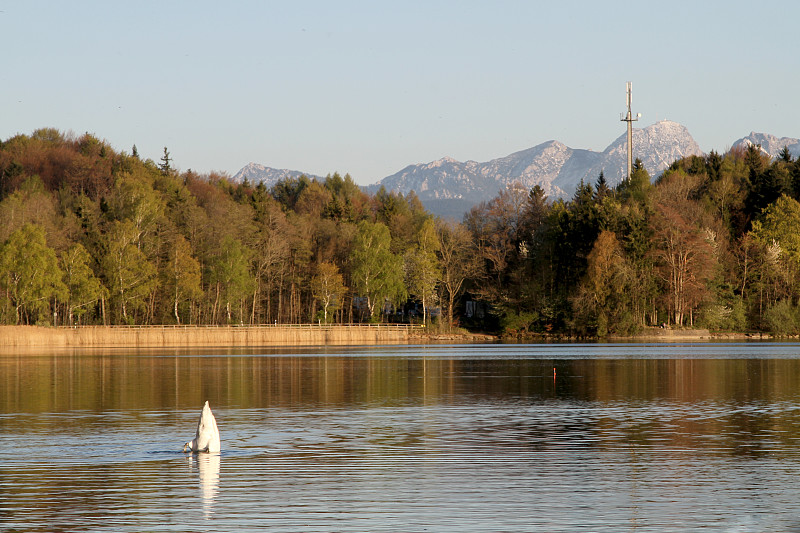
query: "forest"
92, 235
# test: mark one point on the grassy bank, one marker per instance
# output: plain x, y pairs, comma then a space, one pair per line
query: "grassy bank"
185, 336
653, 334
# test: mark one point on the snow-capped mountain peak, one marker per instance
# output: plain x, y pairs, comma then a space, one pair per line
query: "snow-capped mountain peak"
450, 187
770, 144
552, 165
256, 173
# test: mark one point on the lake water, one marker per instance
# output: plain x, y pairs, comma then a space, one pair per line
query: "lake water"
620, 437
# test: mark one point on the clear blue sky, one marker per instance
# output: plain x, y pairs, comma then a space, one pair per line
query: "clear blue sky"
369, 87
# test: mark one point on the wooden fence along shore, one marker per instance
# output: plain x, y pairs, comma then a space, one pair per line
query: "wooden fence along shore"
172, 336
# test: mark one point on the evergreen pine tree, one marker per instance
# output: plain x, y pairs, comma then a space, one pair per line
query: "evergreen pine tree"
165, 167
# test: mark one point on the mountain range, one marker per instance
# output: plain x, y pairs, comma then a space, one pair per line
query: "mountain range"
448, 187
255, 173
770, 144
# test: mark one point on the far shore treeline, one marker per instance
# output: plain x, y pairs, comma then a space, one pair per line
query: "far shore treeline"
90, 235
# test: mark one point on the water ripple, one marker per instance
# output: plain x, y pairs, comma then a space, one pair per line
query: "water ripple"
480, 454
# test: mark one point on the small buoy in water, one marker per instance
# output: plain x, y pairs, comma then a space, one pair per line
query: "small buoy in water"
207, 437
554, 373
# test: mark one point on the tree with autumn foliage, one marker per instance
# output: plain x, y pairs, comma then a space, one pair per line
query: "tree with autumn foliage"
683, 251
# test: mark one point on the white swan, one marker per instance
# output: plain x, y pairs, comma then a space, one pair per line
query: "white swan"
207, 437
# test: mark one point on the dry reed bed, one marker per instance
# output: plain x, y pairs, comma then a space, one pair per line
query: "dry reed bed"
164, 336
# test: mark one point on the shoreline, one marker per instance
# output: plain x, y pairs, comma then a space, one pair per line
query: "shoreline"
16, 337
662, 335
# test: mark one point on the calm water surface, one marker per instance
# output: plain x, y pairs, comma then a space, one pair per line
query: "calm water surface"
626, 437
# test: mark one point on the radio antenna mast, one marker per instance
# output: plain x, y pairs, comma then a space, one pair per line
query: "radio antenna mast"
630, 119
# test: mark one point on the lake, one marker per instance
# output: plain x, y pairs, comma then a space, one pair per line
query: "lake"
467, 438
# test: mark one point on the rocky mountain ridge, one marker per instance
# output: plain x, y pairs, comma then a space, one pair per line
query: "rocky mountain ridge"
449, 187
255, 173
770, 144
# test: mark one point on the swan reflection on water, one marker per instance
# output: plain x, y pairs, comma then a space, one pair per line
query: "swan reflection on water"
207, 465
